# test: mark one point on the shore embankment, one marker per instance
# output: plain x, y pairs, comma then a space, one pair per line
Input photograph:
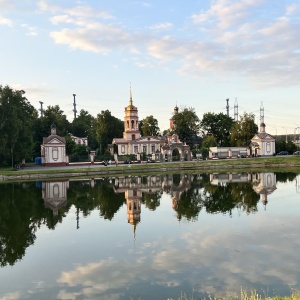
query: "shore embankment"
275, 164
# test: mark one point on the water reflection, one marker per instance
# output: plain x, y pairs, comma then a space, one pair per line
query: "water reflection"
55, 194
207, 254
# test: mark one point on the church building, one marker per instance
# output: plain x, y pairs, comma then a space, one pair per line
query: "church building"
263, 144
160, 148
53, 149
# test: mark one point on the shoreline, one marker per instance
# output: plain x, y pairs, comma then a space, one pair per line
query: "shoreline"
291, 163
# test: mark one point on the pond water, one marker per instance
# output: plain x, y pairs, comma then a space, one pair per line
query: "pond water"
150, 237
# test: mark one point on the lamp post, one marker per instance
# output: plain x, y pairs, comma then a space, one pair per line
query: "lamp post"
12, 157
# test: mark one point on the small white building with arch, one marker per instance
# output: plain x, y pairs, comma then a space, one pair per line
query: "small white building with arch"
263, 144
53, 149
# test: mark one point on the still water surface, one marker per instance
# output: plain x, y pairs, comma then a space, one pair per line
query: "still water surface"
151, 237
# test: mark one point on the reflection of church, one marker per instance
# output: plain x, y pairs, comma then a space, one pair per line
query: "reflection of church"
134, 187
160, 148
224, 178
54, 194
264, 184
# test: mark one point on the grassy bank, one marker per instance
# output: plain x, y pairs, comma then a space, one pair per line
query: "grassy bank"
290, 163
243, 295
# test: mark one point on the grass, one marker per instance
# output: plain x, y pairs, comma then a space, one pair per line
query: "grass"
244, 295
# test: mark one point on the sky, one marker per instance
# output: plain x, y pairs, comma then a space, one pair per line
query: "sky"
193, 54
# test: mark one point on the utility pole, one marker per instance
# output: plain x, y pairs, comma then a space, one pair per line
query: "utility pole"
41, 109
236, 110
227, 107
262, 116
74, 105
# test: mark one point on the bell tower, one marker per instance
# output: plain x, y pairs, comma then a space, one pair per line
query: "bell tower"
131, 121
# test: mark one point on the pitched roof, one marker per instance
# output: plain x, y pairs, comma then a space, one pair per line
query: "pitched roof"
48, 139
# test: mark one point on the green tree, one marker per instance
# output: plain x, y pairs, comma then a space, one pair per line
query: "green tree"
17, 118
81, 126
151, 200
53, 114
208, 141
243, 130
149, 126
107, 128
218, 125
186, 125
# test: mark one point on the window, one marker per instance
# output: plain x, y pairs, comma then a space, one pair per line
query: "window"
153, 148
136, 149
55, 154
145, 149
133, 137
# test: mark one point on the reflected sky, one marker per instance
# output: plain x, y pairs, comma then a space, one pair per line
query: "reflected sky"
87, 255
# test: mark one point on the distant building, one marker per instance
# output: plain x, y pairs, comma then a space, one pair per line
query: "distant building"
263, 144
79, 141
228, 152
53, 150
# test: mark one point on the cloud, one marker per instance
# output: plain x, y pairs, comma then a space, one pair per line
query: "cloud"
5, 21
162, 26
31, 30
76, 11
227, 13
95, 37
11, 296
233, 40
215, 260
234, 43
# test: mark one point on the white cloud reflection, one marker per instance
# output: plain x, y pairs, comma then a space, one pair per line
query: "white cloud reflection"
213, 261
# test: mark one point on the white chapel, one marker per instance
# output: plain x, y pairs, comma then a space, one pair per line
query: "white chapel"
53, 149
263, 144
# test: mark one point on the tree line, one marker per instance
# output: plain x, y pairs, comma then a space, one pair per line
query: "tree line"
22, 129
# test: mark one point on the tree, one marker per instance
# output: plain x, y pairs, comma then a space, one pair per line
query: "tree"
208, 141
186, 125
243, 130
218, 125
17, 117
81, 126
53, 114
149, 126
107, 128
84, 126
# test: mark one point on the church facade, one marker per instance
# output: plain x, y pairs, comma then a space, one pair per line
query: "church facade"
263, 144
160, 148
53, 150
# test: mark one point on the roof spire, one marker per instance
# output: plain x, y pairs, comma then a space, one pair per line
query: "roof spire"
130, 102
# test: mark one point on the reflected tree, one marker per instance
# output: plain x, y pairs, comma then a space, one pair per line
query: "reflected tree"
285, 177
21, 213
151, 200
